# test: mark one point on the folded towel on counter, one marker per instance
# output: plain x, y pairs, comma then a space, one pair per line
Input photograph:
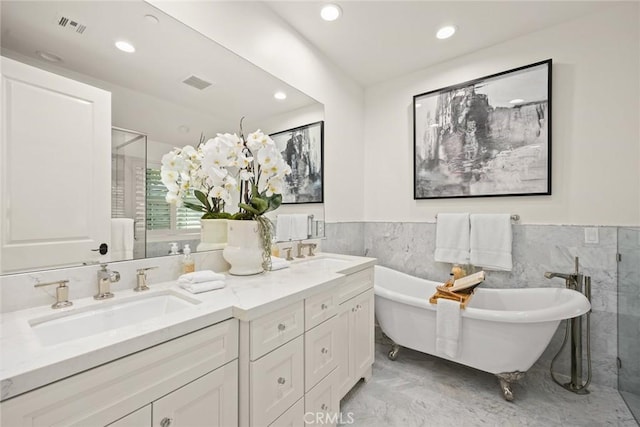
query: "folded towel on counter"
491, 239
452, 238
196, 288
200, 276
448, 320
279, 263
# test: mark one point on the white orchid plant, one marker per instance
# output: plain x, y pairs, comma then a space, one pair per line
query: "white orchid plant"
253, 166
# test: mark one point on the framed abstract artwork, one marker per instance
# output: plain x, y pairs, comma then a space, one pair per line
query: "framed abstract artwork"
302, 149
486, 137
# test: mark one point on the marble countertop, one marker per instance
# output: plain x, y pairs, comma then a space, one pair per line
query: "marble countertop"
26, 363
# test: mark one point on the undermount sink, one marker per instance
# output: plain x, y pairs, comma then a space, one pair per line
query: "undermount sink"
324, 263
106, 316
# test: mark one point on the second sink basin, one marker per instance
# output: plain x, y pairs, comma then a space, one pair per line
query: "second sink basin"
61, 327
324, 263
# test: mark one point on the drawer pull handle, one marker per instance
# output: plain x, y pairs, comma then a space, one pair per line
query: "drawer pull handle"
282, 327
324, 350
358, 306
324, 306
324, 407
166, 422
281, 381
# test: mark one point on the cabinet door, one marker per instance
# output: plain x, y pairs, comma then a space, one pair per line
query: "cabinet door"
363, 332
344, 346
56, 134
139, 418
319, 352
211, 401
322, 403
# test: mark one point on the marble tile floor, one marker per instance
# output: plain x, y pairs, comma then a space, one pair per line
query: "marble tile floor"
420, 390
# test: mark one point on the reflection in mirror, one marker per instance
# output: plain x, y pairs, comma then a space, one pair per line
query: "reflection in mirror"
177, 86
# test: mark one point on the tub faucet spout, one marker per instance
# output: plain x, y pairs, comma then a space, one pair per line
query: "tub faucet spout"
570, 279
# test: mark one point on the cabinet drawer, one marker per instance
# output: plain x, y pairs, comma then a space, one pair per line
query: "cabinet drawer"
277, 382
294, 417
322, 404
320, 352
319, 308
355, 284
274, 329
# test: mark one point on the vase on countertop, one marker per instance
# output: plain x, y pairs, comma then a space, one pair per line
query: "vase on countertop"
244, 250
213, 234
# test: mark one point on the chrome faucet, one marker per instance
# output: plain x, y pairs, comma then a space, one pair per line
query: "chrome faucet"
105, 278
572, 280
142, 279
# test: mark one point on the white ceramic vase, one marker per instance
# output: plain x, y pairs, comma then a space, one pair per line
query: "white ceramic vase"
244, 249
213, 234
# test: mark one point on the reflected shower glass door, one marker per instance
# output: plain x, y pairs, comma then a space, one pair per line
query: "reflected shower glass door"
629, 317
128, 194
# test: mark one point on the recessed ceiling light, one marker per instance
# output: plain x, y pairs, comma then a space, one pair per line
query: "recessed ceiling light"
125, 46
280, 95
48, 56
446, 32
516, 101
330, 12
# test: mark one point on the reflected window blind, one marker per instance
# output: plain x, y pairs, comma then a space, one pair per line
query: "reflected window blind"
158, 210
163, 216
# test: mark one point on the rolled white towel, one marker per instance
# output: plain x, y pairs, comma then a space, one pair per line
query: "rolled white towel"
279, 263
200, 276
196, 288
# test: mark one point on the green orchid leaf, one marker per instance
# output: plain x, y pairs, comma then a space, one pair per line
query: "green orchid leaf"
249, 208
203, 199
194, 207
274, 202
261, 205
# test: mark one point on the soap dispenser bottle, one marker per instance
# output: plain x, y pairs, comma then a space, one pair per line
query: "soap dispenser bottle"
173, 249
188, 265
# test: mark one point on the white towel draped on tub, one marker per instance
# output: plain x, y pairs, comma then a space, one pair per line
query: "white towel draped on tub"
448, 319
491, 241
121, 239
452, 238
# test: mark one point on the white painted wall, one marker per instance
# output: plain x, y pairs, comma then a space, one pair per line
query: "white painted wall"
253, 31
595, 134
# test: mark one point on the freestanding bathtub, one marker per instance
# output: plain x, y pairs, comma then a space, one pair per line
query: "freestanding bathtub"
503, 331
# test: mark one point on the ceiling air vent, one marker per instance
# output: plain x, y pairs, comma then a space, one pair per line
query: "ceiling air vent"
70, 24
196, 82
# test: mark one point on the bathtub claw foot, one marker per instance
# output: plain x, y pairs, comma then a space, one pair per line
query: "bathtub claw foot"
506, 379
393, 353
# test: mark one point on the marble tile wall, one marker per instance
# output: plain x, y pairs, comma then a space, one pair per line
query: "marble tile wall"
409, 247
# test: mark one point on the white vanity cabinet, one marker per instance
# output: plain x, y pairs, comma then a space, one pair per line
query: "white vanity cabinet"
355, 323
293, 360
190, 380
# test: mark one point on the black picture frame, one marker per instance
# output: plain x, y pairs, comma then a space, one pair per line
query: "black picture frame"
488, 137
303, 149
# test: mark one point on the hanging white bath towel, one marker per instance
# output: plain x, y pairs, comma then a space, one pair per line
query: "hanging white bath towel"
491, 241
452, 238
448, 320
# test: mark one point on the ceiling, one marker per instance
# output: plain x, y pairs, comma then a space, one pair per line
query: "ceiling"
374, 41
147, 90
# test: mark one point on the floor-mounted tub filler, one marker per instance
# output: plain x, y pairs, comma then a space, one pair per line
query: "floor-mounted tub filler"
503, 331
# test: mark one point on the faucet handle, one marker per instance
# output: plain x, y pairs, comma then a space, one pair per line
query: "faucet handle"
142, 279
311, 247
62, 293
288, 250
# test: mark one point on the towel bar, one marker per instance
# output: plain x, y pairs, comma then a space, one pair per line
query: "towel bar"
514, 217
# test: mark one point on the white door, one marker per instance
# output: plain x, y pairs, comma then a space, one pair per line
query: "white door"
211, 400
55, 179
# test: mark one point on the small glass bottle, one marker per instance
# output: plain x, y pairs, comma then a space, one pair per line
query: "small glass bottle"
173, 249
188, 264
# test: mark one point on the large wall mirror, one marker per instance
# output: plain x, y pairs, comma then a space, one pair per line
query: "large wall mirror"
175, 88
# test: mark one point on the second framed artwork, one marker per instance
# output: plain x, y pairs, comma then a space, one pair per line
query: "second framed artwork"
486, 137
302, 149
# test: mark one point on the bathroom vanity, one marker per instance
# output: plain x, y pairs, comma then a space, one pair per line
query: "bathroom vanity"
277, 349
